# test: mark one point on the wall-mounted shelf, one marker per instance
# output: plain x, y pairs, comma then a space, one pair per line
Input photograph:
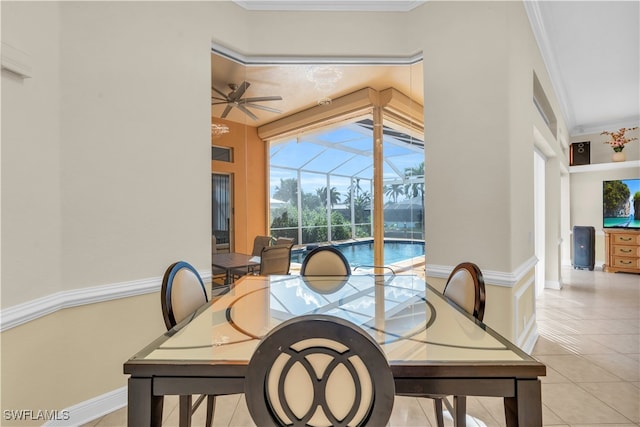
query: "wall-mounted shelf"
598, 167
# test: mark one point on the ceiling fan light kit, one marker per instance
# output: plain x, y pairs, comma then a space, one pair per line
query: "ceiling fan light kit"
234, 99
218, 129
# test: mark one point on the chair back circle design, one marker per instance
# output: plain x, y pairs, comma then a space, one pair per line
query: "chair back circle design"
319, 370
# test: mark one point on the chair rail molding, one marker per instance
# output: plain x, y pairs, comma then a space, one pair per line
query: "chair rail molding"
31, 310
491, 277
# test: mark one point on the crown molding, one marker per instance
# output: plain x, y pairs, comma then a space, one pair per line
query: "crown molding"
546, 50
261, 60
627, 122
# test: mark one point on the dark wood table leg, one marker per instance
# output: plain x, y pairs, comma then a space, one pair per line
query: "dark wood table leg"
144, 408
185, 410
460, 408
525, 409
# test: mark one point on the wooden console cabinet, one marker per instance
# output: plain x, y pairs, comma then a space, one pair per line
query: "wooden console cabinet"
622, 250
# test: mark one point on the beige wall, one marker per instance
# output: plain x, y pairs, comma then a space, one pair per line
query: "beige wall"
106, 171
480, 117
76, 354
31, 157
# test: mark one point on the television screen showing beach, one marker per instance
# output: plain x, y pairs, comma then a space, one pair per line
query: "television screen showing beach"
621, 203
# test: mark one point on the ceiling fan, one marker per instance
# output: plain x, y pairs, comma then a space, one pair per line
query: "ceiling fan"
235, 99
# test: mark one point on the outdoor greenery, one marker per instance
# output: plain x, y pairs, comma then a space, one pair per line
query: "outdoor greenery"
287, 191
284, 222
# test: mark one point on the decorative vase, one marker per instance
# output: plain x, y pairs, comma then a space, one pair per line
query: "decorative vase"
618, 156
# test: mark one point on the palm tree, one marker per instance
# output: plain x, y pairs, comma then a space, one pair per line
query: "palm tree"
287, 191
361, 201
334, 196
393, 191
414, 189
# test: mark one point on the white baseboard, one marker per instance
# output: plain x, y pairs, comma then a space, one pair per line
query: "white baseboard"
91, 409
552, 284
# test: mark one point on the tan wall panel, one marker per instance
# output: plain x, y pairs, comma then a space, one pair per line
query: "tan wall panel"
249, 177
75, 354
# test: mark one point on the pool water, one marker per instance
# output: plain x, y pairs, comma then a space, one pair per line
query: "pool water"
361, 253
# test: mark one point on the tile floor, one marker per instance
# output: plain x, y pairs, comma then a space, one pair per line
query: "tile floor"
589, 340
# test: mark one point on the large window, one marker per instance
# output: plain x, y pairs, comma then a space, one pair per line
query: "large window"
322, 183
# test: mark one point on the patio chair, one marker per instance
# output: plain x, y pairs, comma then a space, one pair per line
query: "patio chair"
284, 241
319, 370
275, 260
259, 243
218, 275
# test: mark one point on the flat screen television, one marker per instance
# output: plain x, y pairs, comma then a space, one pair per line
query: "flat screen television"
621, 203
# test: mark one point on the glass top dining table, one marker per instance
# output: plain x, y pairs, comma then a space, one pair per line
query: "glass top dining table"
432, 346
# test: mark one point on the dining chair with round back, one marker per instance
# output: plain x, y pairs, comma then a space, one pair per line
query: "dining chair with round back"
182, 293
465, 288
325, 261
319, 370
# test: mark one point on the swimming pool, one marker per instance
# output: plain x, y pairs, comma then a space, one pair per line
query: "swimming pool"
361, 253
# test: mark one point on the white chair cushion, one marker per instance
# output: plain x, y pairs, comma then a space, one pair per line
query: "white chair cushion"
325, 263
461, 290
187, 294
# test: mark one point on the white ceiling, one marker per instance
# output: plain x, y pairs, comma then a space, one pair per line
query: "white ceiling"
592, 53
591, 50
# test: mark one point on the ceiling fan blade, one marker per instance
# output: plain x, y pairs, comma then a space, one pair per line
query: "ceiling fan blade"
223, 95
226, 111
263, 98
247, 112
220, 103
237, 94
261, 107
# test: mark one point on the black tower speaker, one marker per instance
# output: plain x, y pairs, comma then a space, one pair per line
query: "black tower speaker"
580, 153
584, 251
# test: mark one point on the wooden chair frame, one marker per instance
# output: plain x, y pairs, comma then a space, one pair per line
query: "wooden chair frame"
296, 342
